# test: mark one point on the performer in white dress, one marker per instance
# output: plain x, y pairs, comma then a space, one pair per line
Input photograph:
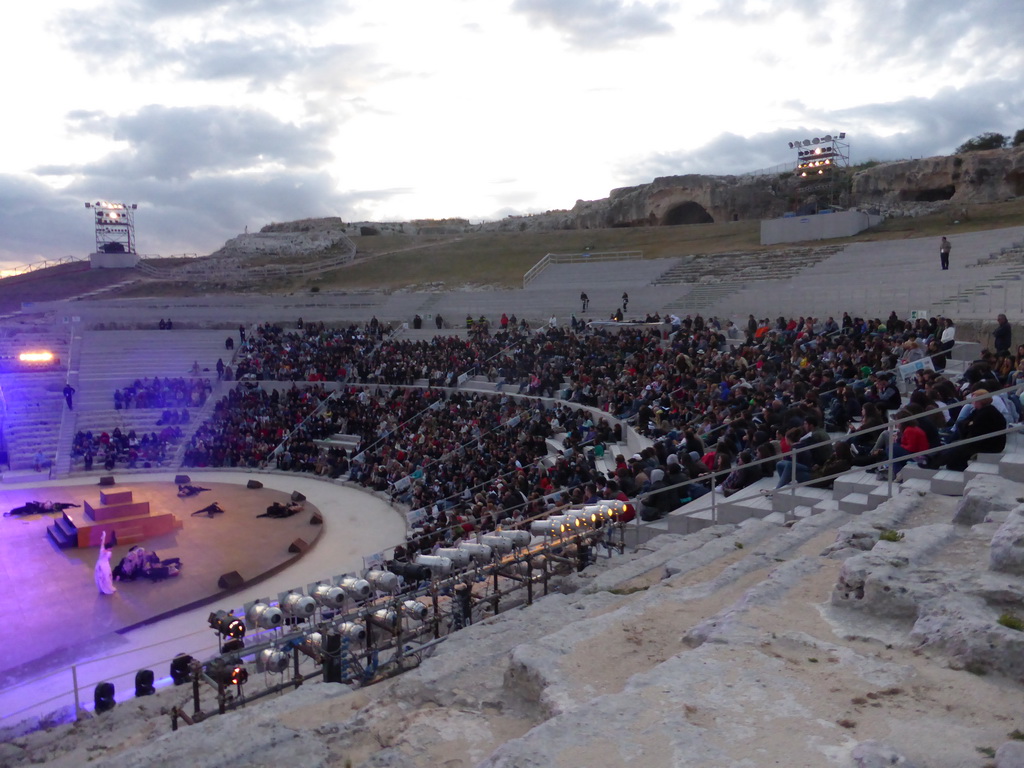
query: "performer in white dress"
104, 578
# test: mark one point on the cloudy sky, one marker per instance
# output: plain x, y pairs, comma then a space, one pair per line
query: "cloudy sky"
216, 115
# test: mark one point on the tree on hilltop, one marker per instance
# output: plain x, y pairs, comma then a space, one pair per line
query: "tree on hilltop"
982, 141
1018, 138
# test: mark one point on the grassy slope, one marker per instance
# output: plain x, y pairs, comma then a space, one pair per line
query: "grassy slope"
498, 259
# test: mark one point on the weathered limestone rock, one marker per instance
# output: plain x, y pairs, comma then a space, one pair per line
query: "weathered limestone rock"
1007, 549
973, 177
875, 754
1010, 755
983, 498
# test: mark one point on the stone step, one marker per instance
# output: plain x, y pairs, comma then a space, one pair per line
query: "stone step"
855, 482
785, 500
1012, 467
948, 483
743, 509
856, 503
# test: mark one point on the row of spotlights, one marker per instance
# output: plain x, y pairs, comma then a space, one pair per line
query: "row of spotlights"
816, 140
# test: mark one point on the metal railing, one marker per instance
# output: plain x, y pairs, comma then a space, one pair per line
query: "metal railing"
887, 462
572, 258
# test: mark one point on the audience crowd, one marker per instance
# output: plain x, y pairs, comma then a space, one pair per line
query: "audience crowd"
713, 400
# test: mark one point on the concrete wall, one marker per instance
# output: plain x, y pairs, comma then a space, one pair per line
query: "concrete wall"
113, 260
822, 226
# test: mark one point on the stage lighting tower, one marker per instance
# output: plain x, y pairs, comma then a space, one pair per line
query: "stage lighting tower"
115, 226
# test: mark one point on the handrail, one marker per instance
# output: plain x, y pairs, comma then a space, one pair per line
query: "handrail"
572, 258
715, 474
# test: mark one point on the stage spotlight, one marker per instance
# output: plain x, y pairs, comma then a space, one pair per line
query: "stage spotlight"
460, 558
842, 135
519, 538
35, 357
328, 596
181, 671
144, 683
271, 660
556, 525
260, 615
297, 605
827, 137
415, 610
103, 697
357, 589
411, 572
354, 632
479, 553
499, 544
227, 625
791, 145
387, 617
807, 142
383, 581
439, 566
239, 674
815, 140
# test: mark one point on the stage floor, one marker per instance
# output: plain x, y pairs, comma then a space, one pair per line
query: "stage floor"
51, 608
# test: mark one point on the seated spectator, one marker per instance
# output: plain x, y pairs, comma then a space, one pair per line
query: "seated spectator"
984, 419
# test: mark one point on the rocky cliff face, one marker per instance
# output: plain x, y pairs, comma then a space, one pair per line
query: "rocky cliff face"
975, 177
908, 186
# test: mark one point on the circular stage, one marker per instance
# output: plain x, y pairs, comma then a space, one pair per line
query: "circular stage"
55, 614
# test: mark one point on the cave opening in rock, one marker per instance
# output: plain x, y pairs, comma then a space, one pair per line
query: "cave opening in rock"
934, 195
687, 213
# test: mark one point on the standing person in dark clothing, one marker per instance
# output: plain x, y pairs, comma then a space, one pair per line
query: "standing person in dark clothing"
944, 248
1001, 336
241, 333
69, 392
585, 300
625, 302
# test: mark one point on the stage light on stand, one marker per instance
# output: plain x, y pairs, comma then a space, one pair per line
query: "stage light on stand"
415, 610
356, 588
144, 683
327, 595
226, 624
479, 553
181, 669
261, 615
296, 605
460, 558
439, 566
271, 660
519, 538
499, 544
383, 581
103, 697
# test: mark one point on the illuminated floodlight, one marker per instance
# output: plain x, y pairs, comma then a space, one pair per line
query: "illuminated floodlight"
36, 357
262, 615
227, 625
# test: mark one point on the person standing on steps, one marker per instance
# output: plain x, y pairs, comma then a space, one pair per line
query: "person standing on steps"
944, 248
585, 300
69, 393
625, 302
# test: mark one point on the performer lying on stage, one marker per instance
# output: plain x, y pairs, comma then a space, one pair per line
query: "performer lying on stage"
277, 509
39, 508
185, 491
210, 510
138, 563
